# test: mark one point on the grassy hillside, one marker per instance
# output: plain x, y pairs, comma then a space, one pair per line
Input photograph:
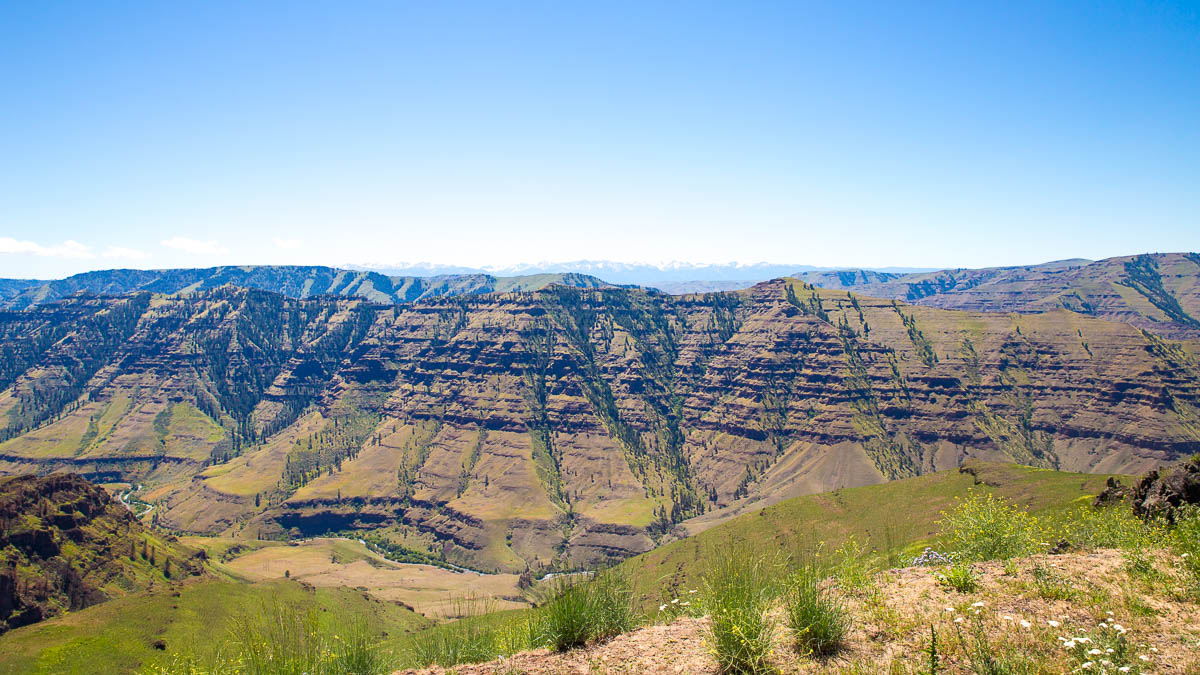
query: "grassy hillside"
121, 635
893, 520
864, 528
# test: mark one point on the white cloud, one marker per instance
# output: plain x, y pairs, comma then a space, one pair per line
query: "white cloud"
287, 243
68, 249
196, 246
124, 253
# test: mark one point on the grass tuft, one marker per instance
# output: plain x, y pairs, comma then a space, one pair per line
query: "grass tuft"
738, 593
960, 577
818, 621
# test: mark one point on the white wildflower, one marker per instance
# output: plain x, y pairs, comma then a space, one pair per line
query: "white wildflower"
1007, 617
1124, 669
1095, 652
977, 604
1086, 666
661, 607
675, 601
1143, 657
1053, 624
958, 619
949, 609
1025, 624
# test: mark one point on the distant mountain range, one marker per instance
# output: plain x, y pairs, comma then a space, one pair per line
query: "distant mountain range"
290, 280
673, 277
1159, 292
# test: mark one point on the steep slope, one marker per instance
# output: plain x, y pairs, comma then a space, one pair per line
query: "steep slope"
1159, 292
66, 545
566, 427
292, 281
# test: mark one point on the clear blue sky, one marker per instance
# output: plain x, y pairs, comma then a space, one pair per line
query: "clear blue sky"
184, 134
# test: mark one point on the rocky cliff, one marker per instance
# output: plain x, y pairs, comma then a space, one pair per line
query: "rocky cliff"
566, 426
1159, 292
65, 545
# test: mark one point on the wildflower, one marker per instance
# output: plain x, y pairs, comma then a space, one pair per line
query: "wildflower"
1154, 649
1184, 555
977, 604
958, 619
1007, 617
1124, 669
1108, 651
949, 609
692, 591
1025, 624
1086, 666
661, 607
1095, 652
1052, 623
1109, 612
675, 601
684, 604
1069, 644
1143, 657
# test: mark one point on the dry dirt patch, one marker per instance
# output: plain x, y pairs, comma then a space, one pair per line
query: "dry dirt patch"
339, 562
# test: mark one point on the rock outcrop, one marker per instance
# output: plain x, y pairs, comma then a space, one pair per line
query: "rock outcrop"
65, 544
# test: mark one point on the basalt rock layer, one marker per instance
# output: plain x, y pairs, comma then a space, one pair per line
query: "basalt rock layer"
563, 427
1159, 292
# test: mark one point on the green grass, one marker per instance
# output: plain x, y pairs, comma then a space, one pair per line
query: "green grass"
739, 591
581, 611
959, 577
818, 621
285, 638
892, 521
576, 613
119, 636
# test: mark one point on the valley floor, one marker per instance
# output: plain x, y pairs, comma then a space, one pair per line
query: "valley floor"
1045, 613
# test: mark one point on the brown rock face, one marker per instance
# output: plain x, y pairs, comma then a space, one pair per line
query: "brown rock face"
566, 427
1163, 491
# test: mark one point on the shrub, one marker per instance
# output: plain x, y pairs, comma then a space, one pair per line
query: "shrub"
586, 610
984, 527
818, 621
960, 577
1185, 539
1113, 526
738, 592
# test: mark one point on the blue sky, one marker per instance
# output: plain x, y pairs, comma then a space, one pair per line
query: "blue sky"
958, 134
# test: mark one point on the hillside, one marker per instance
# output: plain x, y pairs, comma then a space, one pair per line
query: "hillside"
1159, 292
201, 617
1034, 553
66, 545
561, 428
895, 520
1020, 619
292, 281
